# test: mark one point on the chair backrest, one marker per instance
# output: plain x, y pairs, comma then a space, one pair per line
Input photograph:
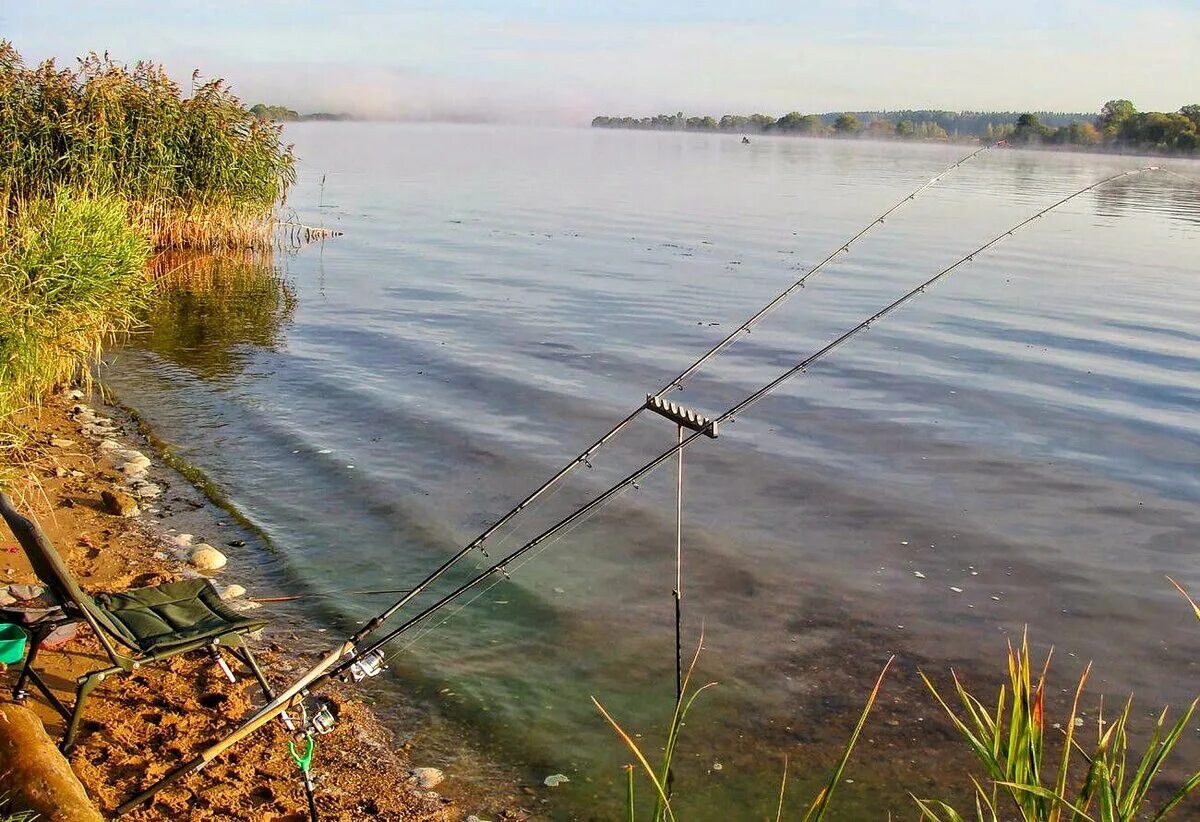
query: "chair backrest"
46, 562
51, 569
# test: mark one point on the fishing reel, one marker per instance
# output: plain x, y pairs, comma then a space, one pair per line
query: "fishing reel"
317, 713
366, 667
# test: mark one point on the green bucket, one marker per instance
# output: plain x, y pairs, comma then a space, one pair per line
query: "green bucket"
12, 643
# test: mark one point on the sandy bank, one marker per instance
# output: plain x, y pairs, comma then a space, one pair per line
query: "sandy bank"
139, 726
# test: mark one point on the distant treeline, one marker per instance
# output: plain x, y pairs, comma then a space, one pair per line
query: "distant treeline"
1118, 125
283, 114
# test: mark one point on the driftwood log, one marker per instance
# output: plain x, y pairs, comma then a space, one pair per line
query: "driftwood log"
34, 775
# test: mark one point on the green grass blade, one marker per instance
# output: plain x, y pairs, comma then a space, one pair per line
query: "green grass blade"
820, 804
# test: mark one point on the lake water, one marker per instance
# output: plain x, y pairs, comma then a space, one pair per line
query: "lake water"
1018, 447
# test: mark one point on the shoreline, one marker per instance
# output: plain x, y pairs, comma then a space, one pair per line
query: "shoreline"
174, 707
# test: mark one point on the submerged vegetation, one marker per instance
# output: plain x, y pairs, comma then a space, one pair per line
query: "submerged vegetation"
1118, 126
104, 164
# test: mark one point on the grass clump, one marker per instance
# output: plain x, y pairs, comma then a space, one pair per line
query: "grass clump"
198, 171
72, 276
1010, 741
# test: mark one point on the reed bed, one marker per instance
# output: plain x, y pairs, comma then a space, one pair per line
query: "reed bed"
198, 171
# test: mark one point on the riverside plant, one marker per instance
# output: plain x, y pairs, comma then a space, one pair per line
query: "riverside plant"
72, 278
1009, 740
197, 171
660, 777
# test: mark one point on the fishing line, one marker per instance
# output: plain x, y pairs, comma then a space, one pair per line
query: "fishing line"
677, 382
1191, 180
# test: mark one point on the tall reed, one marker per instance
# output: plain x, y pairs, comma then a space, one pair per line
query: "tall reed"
198, 170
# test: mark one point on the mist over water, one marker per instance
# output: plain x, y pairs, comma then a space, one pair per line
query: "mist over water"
1025, 432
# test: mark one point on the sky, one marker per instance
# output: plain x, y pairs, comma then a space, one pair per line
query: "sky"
563, 62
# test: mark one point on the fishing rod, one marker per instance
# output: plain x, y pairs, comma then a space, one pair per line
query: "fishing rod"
707, 427
677, 382
358, 664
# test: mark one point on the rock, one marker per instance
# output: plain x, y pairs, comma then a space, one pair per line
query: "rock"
233, 592
554, 780
145, 490
111, 445
427, 777
184, 540
237, 543
207, 558
76, 394
122, 505
59, 442
59, 471
131, 463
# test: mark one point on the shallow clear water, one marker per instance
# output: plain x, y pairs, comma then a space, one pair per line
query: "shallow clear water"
1026, 432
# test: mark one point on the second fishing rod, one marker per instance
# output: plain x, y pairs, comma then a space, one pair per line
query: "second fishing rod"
583, 458
727, 416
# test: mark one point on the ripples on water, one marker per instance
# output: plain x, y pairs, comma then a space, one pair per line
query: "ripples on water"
501, 296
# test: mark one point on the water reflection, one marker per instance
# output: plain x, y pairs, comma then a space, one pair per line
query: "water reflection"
213, 311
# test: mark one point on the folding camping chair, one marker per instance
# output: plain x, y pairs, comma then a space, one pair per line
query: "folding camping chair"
136, 627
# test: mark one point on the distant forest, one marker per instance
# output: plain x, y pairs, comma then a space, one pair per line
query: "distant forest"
1119, 125
282, 114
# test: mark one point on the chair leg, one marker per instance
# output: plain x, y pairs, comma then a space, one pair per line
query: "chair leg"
35, 643
86, 685
243, 653
30, 674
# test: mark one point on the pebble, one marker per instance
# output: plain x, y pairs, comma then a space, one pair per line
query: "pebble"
956, 589
111, 445
427, 777
207, 558
233, 592
918, 575
554, 780
59, 442
184, 540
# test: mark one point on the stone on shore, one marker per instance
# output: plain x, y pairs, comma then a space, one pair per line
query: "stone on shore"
233, 592
207, 558
59, 442
121, 505
427, 778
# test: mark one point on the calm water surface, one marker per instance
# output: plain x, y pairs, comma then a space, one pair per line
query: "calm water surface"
1019, 447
